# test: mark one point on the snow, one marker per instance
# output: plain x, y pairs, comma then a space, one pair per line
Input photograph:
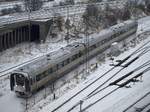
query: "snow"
106, 103
9, 103
144, 26
123, 103
8, 100
22, 53
111, 99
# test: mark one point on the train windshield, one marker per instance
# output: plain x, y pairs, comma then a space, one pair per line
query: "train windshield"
20, 79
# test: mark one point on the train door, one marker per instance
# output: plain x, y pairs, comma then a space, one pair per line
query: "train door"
1, 44
12, 82
27, 85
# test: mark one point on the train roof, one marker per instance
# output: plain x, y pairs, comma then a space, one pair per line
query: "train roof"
94, 38
123, 25
51, 59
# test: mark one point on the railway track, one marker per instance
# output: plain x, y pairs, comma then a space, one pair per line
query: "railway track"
139, 100
124, 66
92, 94
120, 63
123, 84
135, 52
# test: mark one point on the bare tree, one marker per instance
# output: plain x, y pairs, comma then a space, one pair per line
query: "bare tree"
91, 16
33, 5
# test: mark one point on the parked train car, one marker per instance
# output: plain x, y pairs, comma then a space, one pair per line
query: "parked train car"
29, 78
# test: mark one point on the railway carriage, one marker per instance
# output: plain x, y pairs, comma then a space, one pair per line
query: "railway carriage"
29, 78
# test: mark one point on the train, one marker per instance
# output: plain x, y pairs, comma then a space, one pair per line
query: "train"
29, 78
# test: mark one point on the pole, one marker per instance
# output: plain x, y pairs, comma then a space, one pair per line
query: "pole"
87, 54
34, 99
81, 102
45, 92
68, 25
29, 17
54, 96
26, 104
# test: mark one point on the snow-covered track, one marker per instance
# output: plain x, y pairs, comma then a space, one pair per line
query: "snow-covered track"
124, 66
140, 99
96, 80
95, 92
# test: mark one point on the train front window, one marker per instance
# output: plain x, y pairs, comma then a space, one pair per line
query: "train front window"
20, 79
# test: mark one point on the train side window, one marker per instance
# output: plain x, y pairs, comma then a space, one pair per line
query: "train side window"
31, 81
41, 76
50, 71
34, 79
55, 68
74, 57
60, 65
80, 53
98, 44
38, 78
65, 62
68, 60
111, 37
92, 47
44, 74
84, 51
114, 35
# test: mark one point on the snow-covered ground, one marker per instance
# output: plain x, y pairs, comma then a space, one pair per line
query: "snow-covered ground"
8, 98
112, 99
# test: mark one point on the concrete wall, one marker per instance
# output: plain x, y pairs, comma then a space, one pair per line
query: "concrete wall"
26, 31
